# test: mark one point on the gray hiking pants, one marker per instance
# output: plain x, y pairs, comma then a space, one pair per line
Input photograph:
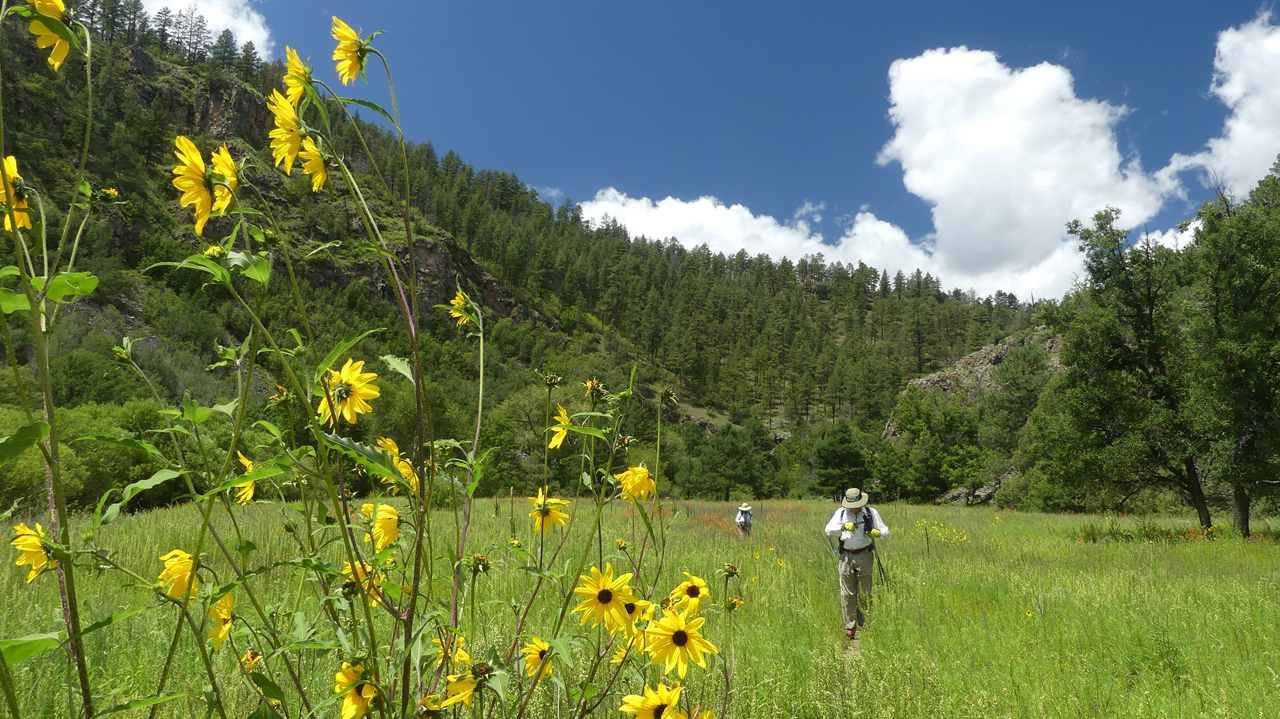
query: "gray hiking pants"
855, 586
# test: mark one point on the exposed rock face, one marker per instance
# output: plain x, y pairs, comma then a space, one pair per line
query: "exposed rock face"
973, 377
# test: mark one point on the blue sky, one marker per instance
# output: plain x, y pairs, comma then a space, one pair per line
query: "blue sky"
954, 136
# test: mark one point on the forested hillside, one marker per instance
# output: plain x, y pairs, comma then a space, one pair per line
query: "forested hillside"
792, 376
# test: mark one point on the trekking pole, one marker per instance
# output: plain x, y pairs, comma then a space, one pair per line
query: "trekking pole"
879, 564
830, 544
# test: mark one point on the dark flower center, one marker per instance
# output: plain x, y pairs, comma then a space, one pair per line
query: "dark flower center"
542, 654
679, 638
658, 710
693, 591
605, 596
630, 607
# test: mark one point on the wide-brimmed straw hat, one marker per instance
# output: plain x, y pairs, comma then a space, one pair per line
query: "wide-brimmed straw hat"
745, 507
854, 498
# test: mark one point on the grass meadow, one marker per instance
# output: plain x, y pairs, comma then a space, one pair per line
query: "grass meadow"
984, 614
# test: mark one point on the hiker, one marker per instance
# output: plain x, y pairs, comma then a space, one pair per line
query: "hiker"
743, 520
857, 526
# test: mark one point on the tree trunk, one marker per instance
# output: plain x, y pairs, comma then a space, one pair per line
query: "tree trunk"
1192, 483
1240, 501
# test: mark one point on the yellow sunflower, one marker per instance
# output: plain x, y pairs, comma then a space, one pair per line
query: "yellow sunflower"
286, 136
313, 163
406, 469
535, 655
690, 595
245, 495
458, 308
222, 617
297, 77
250, 661
350, 54
675, 640
604, 597
562, 418
459, 689
189, 177
55, 10
636, 484
358, 693
177, 576
31, 544
632, 647
593, 386
371, 581
350, 387
454, 653
19, 205
546, 512
632, 612
660, 704
225, 166
386, 526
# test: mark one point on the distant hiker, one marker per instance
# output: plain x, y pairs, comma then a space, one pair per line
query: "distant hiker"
743, 520
857, 526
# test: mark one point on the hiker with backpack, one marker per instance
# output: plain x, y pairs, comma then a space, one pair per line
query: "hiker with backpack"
856, 527
743, 519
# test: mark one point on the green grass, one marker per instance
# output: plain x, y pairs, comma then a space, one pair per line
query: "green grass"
997, 615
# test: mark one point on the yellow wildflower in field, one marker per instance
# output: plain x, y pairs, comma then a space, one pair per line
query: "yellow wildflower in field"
19, 205
453, 652
460, 688
636, 484
286, 136
214, 252
350, 387
362, 573
593, 386
31, 544
604, 597
222, 617
386, 526
350, 54
621, 544
177, 577
250, 661
633, 611
458, 308
546, 512
732, 604
358, 693
297, 76
535, 655
629, 648
313, 163
675, 640
660, 704
779, 560
189, 177
406, 469
55, 10
699, 714
225, 166
430, 706
562, 419
245, 495
690, 595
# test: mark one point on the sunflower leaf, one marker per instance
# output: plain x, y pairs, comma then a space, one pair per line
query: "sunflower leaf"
15, 650
372, 106
125, 442
18, 442
337, 351
268, 688
132, 491
399, 365
378, 461
11, 301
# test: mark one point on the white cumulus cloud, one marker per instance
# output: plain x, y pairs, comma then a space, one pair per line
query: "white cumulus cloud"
238, 16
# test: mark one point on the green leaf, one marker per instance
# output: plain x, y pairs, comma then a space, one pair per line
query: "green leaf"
322, 248
202, 263
375, 460
258, 475
342, 347
20, 441
55, 27
66, 284
102, 623
134, 490
11, 301
274, 430
399, 365
194, 413
10, 271
592, 431
125, 442
15, 650
267, 687
370, 105
140, 703
228, 409
644, 516
12, 508
255, 267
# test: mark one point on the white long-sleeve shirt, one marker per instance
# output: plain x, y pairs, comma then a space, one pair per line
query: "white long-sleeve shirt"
857, 539
743, 517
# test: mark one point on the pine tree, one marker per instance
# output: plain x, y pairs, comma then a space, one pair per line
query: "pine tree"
163, 26
249, 61
224, 50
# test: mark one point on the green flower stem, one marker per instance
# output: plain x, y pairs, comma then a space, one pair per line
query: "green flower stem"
10, 697
208, 664
466, 496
